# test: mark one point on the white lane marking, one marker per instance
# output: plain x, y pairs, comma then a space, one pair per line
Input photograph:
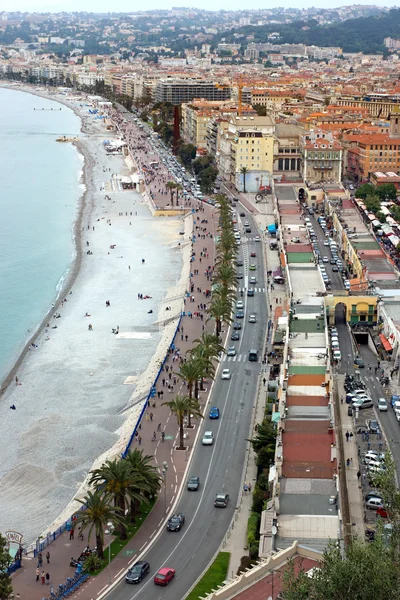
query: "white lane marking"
119, 573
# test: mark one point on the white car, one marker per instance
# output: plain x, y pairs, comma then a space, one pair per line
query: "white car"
208, 438
382, 404
226, 374
257, 238
252, 319
337, 355
240, 304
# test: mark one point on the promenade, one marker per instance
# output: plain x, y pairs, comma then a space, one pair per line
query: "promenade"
193, 324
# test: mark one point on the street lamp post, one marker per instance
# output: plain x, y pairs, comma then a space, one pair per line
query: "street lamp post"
164, 474
109, 531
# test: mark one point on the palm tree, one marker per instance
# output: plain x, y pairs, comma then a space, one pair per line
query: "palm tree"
220, 309
95, 516
178, 189
146, 480
179, 407
244, 171
226, 276
171, 186
114, 478
193, 406
204, 359
190, 372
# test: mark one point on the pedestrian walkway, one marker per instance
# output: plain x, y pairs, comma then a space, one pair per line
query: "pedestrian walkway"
149, 439
351, 465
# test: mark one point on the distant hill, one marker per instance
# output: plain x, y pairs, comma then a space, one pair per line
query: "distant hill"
365, 34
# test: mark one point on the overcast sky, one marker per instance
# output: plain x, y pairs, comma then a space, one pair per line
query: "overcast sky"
128, 5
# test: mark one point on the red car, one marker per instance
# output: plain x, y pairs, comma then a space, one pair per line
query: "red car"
381, 512
253, 254
164, 576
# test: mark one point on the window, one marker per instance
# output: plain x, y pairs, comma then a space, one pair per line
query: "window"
354, 308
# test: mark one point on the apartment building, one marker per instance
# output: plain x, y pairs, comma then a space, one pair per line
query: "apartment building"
287, 152
321, 157
369, 152
252, 148
378, 104
178, 91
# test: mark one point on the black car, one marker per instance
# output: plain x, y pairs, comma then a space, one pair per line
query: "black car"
137, 572
237, 326
239, 263
240, 314
250, 292
248, 230
175, 522
242, 214
373, 426
193, 484
235, 336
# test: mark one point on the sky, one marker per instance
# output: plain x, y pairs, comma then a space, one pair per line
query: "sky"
128, 5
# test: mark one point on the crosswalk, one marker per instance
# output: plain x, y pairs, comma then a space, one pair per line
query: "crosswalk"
262, 290
245, 238
236, 358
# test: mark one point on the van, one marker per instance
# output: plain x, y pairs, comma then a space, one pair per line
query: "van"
253, 355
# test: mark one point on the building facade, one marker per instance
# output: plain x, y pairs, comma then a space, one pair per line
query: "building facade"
321, 157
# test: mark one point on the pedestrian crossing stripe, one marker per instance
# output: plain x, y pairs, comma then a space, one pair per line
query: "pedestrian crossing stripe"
262, 290
237, 357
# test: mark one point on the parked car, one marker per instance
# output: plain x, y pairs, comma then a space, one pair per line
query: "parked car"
373, 494
208, 438
373, 503
175, 522
193, 484
362, 403
373, 426
221, 500
137, 572
164, 576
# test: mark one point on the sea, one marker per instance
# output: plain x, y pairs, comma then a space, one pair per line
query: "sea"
39, 192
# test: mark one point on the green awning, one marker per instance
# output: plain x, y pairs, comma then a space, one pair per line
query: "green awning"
276, 417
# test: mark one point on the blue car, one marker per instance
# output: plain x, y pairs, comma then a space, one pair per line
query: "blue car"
214, 413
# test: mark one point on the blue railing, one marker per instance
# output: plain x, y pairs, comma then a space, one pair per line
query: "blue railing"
14, 567
151, 392
42, 543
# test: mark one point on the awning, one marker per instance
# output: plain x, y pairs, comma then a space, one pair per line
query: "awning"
276, 416
385, 342
272, 228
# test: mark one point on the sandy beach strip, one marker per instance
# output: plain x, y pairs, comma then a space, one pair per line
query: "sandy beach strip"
77, 385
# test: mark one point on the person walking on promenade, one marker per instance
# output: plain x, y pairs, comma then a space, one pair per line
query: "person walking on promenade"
47, 578
40, 559
347, 436
43, 577
71, 534
139, 440
37, 574
48, 557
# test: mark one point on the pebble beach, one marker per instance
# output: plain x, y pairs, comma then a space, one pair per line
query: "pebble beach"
79, 389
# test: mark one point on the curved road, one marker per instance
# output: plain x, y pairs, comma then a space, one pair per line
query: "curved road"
219, 466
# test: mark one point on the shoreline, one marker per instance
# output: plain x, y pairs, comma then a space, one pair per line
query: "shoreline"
173, 295
73, 270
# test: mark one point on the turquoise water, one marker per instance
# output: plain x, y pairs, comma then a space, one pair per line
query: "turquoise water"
39, 192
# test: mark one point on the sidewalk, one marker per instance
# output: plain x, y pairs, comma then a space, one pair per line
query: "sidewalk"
62, 549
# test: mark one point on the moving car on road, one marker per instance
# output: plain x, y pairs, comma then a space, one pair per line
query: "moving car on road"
226, 374
208, 438
214, 413
175, 522
252, 267
382, 405
221, 500
231, 351
193, 484
252, 319
137, 572
164, 576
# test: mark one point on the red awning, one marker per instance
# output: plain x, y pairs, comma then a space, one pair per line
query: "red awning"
385, 342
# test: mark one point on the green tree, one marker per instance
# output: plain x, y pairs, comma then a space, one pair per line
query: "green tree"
5, 562
114, 478
365, 190
146, 480
386, 191
97, 513
171, 186
187, 153
178, 407
243, 172
190, 372
373, 204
